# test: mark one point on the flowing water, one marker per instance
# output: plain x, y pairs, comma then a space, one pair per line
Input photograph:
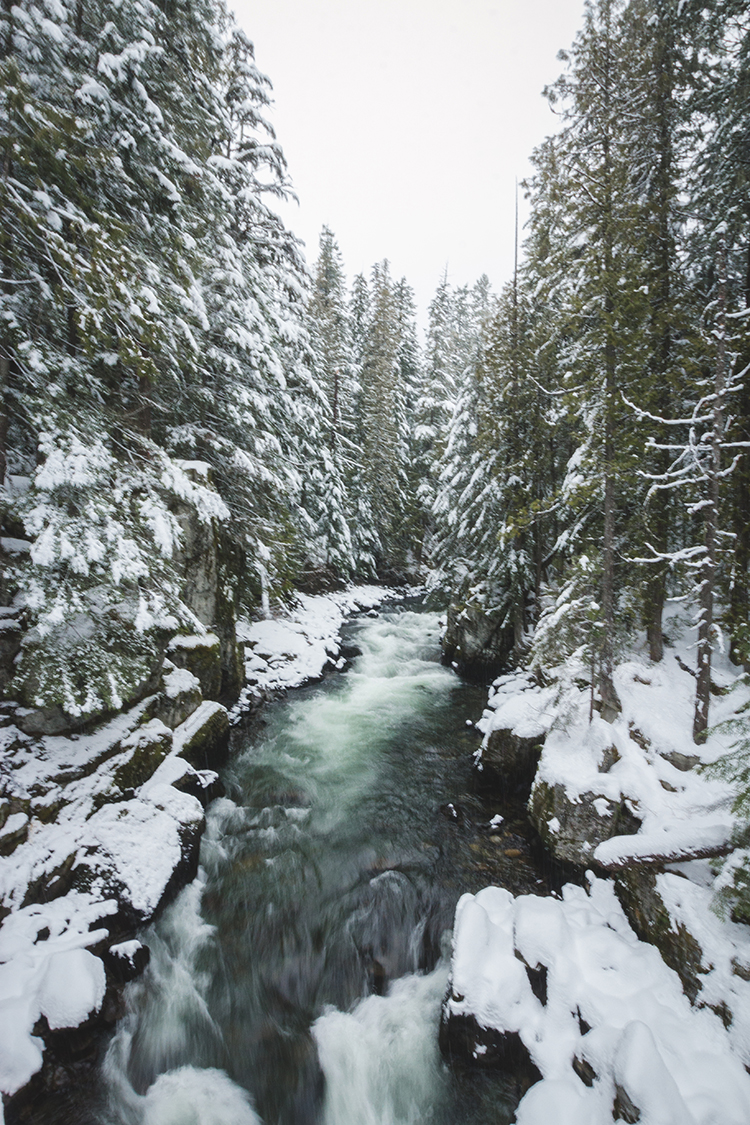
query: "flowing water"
299, 979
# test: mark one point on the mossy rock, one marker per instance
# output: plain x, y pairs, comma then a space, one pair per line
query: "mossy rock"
145, 749
572, 830
89, 667
203, 738
201, 655
14, 832
179, 697
645, 910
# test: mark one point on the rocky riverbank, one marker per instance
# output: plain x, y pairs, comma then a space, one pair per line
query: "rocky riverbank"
630, 802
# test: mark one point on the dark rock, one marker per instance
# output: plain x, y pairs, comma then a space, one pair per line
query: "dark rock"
13, 834
39, 721
610, 756
584, 1070
462, 1039
52, 884
11, 635
682, 762
124, 965
510, 759
624, 1109
201, 655
203, 784
478, 645
204, 739
349, 651
144, 750
538, 981
580, 827
637, 891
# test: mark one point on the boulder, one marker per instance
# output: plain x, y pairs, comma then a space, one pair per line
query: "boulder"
572, 829
639, 896
13, 832
202, 739
141, 753
511, 758
462, 1039
477, 644
180, 696
201, 656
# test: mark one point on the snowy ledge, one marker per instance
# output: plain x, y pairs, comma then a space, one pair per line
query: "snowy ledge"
288, 651
600, 1015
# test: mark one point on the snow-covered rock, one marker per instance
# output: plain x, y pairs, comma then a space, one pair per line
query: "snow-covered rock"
602, 1018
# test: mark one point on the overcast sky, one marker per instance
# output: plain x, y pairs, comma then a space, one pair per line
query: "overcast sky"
406, 122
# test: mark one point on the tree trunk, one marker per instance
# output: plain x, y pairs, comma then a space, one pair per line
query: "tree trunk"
4, 416
708, 573
610, 702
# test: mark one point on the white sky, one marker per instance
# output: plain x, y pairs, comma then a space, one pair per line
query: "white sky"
406, 122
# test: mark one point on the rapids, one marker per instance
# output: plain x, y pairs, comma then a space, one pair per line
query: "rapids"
298, 980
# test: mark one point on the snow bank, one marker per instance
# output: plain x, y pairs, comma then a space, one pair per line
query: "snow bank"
516, 702
46, 970
611, 1004
286, 652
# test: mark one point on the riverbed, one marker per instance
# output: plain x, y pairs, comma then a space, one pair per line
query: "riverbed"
299, 979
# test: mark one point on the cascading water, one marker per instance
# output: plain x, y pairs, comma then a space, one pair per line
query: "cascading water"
300, 976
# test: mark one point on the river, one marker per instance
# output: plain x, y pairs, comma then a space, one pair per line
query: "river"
299, 979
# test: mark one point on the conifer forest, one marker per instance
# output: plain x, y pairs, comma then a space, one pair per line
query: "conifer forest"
202, 420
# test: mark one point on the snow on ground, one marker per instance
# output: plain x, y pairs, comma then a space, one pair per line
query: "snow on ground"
611, 1003
681, 809
287, 651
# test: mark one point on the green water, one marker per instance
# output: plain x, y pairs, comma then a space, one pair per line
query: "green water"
303, 969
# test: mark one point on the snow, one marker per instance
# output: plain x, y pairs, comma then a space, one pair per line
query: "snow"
56, 977
126, 949
676, 1063
519, 704
179, 681
287, 651
642, 758
204, 640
